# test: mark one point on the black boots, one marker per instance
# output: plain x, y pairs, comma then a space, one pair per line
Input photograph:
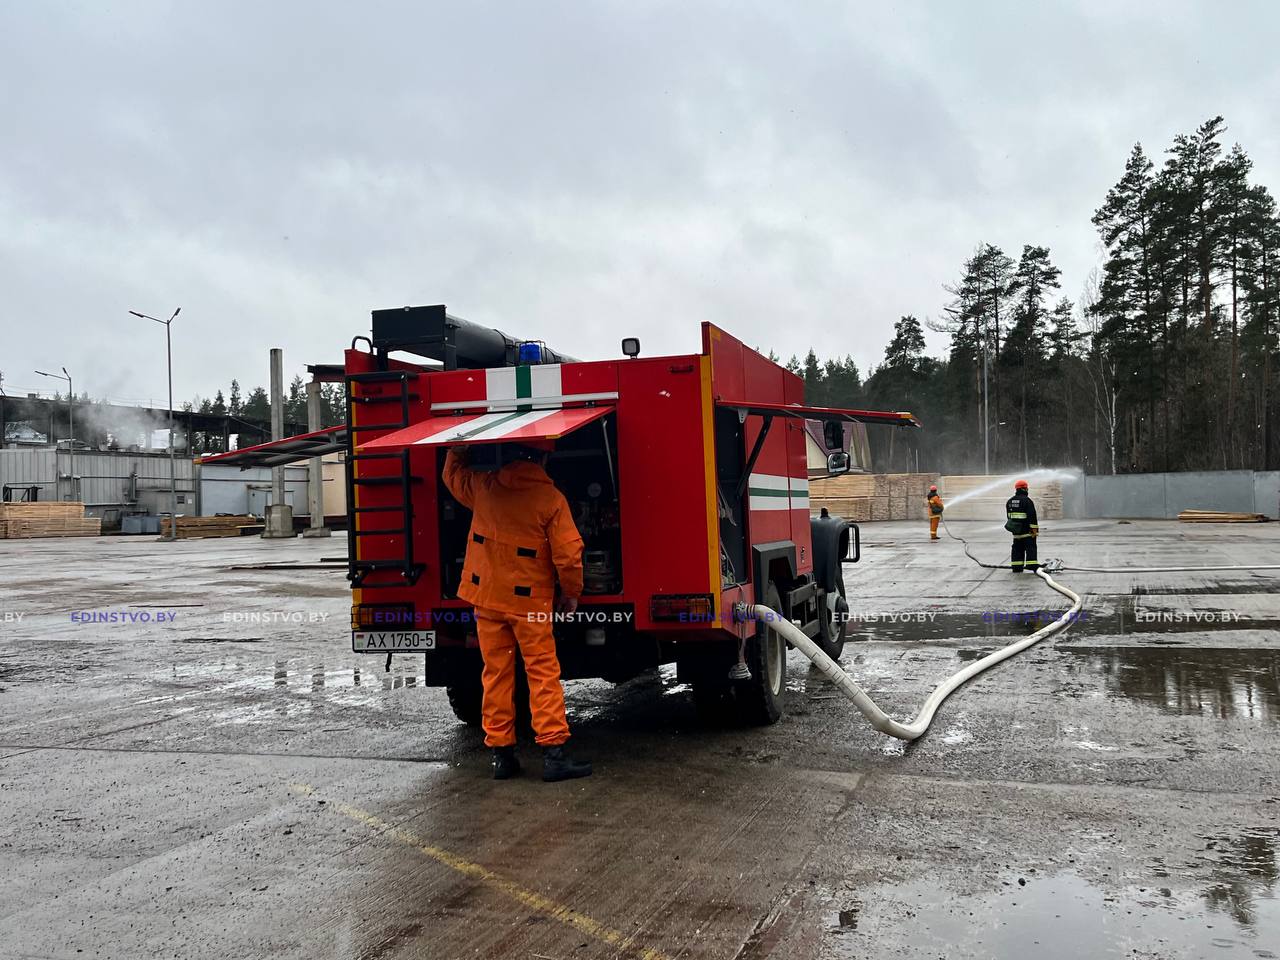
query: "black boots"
556, 765
505, 763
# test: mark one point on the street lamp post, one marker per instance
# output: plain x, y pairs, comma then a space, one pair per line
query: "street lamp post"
173, 475
71, 429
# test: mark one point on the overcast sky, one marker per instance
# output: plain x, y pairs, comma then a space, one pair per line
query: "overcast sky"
800, 174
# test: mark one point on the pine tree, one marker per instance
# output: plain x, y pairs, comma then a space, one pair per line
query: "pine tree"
1236, 229
233, 403
906, 350
1259, 338
257, 406
295, 403
843, 382
1131, 308
815, 388
980, 316
1025, 348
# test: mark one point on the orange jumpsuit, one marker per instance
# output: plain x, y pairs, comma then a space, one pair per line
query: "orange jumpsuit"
522, 537
935, 514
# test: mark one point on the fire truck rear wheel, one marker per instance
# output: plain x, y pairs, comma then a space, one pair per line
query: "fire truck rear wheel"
465, 699
759, 700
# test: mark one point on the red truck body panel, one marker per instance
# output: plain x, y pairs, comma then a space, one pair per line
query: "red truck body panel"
665, 455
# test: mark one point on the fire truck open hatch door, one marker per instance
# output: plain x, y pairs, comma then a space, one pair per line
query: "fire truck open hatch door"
277, 453
511, 426
794, 412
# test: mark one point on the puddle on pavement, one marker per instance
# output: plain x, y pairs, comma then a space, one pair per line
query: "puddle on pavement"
300, 677
1228, 684
1218, 589
1061, 917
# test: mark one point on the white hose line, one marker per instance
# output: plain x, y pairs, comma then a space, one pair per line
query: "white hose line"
881, 720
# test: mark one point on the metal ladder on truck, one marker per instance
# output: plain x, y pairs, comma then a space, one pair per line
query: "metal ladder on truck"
387, 571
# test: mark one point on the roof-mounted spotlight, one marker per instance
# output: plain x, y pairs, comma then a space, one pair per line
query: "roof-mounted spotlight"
631, 347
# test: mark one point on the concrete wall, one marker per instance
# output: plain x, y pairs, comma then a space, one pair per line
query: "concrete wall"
227, 489
1266, 492
102, 478
1161, 496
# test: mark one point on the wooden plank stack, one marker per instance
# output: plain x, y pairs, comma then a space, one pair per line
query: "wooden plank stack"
989, 504
862, 497
50, 518
201, 528
1220, 516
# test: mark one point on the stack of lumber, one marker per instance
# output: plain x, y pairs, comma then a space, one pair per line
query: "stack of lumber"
199, 528
1220, 516
861, 497
985, 497
52, 518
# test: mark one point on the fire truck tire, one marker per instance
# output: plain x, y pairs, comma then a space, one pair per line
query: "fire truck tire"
466, 696
834, 647
713, 701
465, 699
758, 701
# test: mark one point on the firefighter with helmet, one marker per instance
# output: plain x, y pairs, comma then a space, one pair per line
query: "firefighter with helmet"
523, 539
1021, 522
935, 510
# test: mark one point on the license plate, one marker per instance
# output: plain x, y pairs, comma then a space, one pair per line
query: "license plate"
392, 641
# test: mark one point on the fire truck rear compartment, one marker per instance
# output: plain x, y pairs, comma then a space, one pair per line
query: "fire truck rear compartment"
601, 642
583, 466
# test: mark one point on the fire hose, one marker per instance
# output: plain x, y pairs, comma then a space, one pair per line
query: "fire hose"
916, 728
867, 707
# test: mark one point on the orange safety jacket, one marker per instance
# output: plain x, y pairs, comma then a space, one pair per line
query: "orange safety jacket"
935, 505
522, 537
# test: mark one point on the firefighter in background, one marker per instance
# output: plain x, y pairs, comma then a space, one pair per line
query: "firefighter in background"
522, 539
1020, 512
935, 511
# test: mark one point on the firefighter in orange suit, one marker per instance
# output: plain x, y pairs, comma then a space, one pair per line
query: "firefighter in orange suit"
935, 511
522, 538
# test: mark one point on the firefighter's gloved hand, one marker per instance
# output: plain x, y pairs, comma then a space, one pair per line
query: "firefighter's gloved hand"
567, 605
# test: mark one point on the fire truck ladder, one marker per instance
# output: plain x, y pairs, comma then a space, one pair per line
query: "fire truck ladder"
359, 570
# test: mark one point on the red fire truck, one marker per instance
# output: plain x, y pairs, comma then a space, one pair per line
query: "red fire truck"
688, 477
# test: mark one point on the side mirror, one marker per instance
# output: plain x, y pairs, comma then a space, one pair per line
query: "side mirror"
833, 434
837, 464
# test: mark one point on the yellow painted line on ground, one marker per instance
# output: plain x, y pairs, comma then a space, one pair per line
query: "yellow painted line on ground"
534, 901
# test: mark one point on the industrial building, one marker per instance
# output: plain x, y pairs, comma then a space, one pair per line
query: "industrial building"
115, 459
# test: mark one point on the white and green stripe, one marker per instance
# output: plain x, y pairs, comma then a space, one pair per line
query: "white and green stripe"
799, 493
769, 492
488, 426
535, 387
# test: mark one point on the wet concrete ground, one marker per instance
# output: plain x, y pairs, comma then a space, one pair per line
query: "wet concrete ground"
217, 776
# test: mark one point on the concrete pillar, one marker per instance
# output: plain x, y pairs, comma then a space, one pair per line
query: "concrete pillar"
279, 513
315, 469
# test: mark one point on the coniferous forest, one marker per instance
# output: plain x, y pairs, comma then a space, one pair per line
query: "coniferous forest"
1165, 361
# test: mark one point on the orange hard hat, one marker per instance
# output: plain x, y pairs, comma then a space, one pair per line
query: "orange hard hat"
1021, 485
